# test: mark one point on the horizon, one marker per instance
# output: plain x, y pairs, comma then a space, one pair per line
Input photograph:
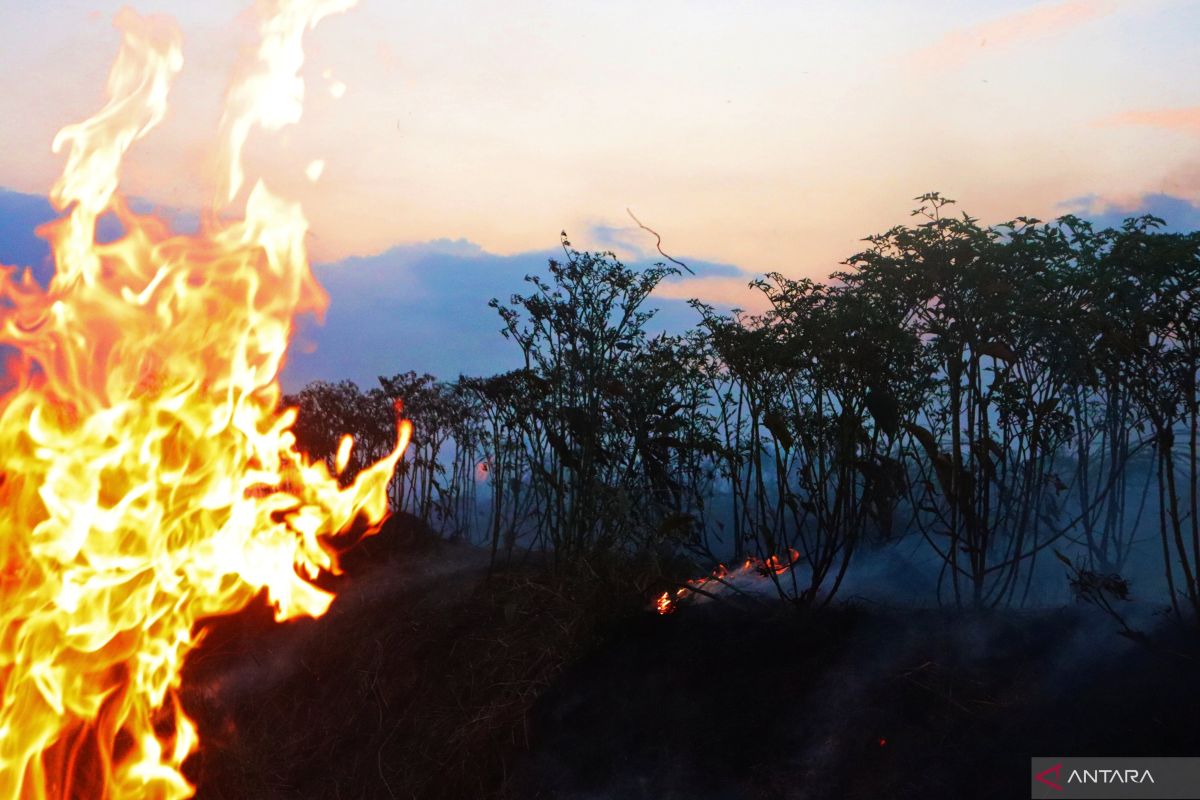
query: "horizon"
406, 289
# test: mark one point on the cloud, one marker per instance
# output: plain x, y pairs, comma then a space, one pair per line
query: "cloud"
1183, 120
733, 291
1181, 214
630, 241
960, 46
420, 307
635, 245
424, 307
21, 215
623, 239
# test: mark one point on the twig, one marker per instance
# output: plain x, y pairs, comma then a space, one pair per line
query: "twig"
658, 243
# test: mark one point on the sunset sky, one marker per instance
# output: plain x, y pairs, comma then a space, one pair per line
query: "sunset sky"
762, 135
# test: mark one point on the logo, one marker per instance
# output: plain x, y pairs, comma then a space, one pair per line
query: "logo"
1045, 777
1115, 777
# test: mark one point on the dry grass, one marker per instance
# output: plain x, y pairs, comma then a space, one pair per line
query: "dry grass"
417, 684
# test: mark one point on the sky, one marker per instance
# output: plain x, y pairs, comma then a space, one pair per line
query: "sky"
754, 136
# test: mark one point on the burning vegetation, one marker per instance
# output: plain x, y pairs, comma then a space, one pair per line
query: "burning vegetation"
936, 432
150, 480
753, 575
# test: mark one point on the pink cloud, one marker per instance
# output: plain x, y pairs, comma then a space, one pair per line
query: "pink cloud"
725, 290
960, 46
1184, 120
1186, 180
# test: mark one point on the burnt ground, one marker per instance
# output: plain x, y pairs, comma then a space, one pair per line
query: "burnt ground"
430, 678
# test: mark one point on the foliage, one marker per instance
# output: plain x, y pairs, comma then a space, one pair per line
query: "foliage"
987, 391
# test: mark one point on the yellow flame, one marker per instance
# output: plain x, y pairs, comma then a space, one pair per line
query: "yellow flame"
149, 479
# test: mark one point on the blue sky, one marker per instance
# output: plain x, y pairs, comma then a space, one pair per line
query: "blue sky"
420, 307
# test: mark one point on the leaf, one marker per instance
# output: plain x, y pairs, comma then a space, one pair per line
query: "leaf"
925, 437
998, 350
1046, 406
777, 425
884, 408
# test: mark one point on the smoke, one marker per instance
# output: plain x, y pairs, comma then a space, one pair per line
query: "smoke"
865, 701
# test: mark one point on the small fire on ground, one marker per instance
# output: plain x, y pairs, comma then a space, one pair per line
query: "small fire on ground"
751, 575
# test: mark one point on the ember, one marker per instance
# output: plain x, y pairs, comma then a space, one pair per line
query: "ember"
752, 569
150, 479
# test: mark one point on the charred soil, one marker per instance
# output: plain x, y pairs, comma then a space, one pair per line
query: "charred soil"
433, 676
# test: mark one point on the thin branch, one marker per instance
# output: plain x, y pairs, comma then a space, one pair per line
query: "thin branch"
658, 243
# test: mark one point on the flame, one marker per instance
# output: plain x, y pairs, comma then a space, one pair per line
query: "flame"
664, 604
778, 565
149, 479
752, 568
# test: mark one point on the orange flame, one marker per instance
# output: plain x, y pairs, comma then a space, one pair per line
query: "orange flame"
664, 604
149, 480
751, 568
778, 565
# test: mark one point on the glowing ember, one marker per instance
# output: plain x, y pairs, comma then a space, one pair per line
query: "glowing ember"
149, 479
779, 566
752, 569
664, 604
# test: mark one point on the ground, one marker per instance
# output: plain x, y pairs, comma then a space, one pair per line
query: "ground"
433, 677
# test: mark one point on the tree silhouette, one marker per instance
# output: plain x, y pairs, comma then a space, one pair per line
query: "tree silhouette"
990, 391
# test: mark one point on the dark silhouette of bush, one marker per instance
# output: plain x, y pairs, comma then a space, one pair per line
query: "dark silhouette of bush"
991, 391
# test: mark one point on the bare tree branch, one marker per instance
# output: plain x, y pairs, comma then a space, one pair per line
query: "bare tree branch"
658, 243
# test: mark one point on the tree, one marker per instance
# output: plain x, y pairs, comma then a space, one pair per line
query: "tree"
584, 342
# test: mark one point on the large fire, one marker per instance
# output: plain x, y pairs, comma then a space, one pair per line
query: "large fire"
149, 478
